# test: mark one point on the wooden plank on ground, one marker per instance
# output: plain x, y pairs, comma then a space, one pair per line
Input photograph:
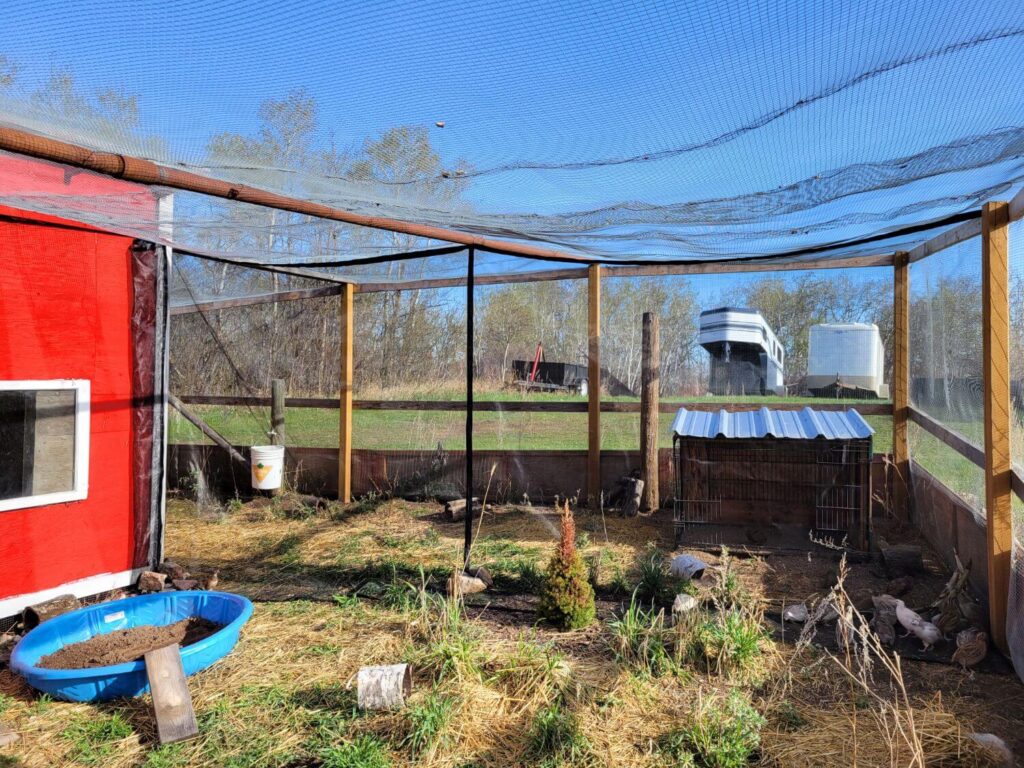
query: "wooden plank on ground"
995, 309
172, 702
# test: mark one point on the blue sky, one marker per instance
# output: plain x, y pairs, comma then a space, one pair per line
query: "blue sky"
554, 82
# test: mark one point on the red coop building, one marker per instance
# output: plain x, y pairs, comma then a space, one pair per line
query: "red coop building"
82, 387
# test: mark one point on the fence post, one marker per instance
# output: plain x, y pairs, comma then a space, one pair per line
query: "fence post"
649, 396
901, 383
346, 307
277, 436
995, 314
277, 393
594, 386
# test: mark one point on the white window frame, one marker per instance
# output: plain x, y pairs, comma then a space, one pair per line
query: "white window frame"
80, 488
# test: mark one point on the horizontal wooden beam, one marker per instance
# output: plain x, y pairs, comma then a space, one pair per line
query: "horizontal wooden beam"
1017, 206
1017, 482
528, 406
267, 298
954, 440
950, 237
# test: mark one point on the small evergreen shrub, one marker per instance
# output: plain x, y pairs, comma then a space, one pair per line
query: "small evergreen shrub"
567, 599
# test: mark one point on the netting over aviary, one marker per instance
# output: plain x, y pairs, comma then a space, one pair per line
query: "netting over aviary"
674, 132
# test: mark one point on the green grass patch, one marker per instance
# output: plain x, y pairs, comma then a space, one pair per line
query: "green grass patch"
95, 737
493, 430
722, 733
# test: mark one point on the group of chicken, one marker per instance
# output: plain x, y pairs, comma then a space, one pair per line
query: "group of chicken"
971, 642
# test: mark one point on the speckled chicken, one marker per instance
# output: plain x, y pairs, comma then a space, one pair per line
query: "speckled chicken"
926, 632
210, 581
971, 647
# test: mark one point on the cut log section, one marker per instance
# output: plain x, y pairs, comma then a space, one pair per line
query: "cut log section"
456, 509
903, 560
464, 584
34, 615
383, 687
172, 702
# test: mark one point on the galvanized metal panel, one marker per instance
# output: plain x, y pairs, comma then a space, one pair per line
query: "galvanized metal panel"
806, 424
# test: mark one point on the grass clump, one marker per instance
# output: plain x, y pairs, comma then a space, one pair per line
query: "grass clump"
722, 733
729, 642
443, 639
642, 641
556, 738
93, 739
428, 724
365, 751
567, 600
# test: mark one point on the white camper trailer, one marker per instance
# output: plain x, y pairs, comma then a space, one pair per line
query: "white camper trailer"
846, 360
746, 358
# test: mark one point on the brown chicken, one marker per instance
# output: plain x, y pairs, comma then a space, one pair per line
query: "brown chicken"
210, 581
971, 647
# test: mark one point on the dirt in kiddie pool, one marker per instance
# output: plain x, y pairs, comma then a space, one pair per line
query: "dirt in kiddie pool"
124, 645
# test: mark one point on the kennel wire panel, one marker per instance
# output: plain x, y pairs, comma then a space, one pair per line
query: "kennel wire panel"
770, 492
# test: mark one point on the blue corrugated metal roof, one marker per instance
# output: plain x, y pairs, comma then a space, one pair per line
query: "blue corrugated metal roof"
806, 424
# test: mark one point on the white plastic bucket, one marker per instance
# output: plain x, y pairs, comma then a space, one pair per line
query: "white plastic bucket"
267, 465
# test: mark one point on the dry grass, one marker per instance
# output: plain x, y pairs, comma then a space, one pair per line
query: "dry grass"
490, 689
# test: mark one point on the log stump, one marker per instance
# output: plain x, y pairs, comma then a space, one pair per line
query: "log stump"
34, 615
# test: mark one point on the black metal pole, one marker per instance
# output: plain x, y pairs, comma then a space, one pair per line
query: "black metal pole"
469, 409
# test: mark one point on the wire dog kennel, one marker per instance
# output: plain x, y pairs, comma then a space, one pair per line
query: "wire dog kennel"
770, 477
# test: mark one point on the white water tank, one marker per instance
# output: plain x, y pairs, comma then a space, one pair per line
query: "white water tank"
848, 357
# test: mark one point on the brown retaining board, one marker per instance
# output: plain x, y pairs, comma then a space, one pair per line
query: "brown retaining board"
540, 474
950, 525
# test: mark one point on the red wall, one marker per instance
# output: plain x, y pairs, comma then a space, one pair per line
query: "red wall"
65, 303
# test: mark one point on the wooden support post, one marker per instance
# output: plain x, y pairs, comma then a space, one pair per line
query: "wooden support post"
277, 394
995, 308
649, 396
901, 384
594, 386
345, 324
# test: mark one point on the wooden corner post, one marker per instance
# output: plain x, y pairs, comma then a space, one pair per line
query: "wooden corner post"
649, 397
345, 323
901, 384
995, 309
594, 386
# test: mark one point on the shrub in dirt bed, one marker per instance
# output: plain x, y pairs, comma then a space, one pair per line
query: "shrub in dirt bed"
567, 600
723, 732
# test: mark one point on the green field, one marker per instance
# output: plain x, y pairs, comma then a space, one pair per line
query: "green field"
493, 430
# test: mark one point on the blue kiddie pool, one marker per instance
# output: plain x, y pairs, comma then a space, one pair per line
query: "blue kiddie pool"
125, 680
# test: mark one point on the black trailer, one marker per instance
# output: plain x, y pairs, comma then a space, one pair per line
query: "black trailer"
556, 377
